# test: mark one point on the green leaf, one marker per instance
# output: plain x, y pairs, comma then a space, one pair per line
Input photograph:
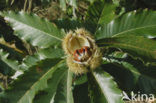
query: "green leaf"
135, 45
42, 54
80, 79
72, 24
38, 78
14, 52
141, 79
37, 31
103, 89
64, 89
50, 53
80, 93
5, 69
132, 75
132, 23
100, 12
62, 93
13, 64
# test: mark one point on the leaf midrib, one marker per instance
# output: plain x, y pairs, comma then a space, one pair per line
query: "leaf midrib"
69, 83
51, 69
32, 27
131, 46
100, 87
135, 72
132, 29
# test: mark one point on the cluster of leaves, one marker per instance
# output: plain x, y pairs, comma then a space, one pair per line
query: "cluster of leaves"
127, 40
